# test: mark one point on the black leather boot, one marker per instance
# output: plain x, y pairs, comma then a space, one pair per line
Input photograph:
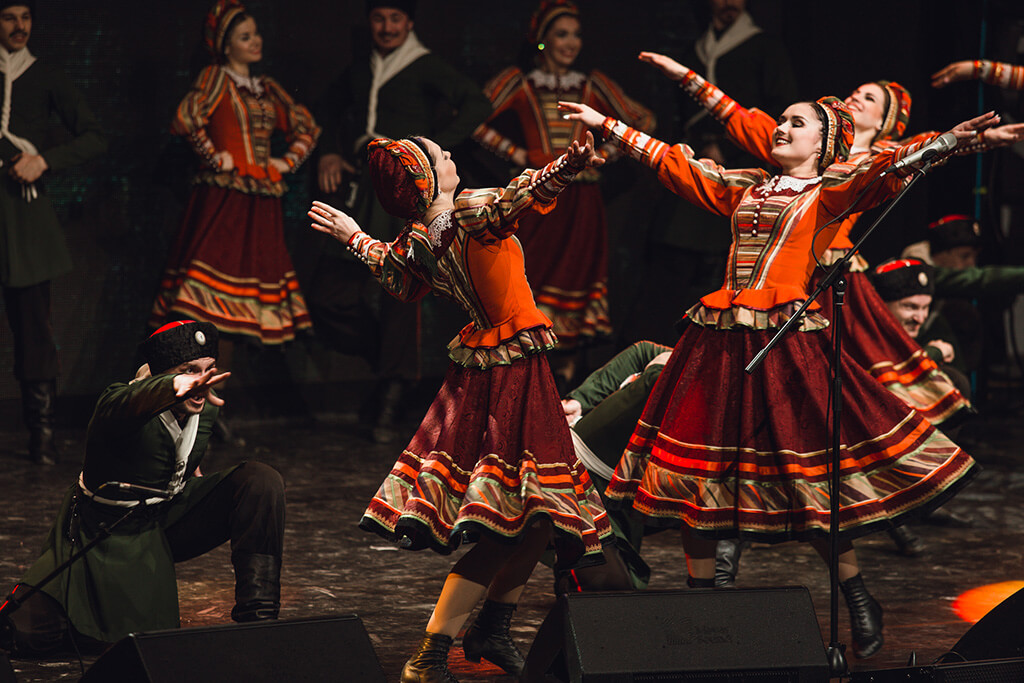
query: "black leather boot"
430, 663
727, 562
489, 638
865, 617
38, 404
257, 587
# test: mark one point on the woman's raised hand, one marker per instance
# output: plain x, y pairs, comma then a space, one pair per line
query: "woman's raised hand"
668, 66
583, 155
968, 130
329, 220
574, 111
951, 73
998, 136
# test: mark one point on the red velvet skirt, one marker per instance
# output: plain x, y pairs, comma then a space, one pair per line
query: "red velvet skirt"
566, 254
492, 454
731, 454
229, 266
881, 346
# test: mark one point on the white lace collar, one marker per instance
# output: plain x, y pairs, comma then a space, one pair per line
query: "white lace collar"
253, 84
544, 79
442, 223
787, 182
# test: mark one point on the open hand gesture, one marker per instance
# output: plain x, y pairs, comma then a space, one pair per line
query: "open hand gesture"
187, 386
969, 130
330, 221
574, 111
668, 66
998, 136
951, 73
582, 156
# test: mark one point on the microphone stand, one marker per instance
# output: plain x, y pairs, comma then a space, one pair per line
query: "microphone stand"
14, 602
834, 278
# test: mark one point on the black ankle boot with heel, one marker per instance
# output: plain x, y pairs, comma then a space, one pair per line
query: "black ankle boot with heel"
865, 617
430, 663
489, 638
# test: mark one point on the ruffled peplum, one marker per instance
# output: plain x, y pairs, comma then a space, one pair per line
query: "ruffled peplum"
757, 309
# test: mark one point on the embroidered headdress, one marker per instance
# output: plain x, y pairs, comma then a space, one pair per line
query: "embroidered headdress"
955, 230
837, 136
897, 113
403, 176
546, 13
218, 21
178, 342
898, 279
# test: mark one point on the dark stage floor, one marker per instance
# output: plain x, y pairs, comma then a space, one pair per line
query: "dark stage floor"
332, 568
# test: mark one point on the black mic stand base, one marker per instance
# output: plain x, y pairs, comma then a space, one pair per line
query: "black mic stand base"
836, 654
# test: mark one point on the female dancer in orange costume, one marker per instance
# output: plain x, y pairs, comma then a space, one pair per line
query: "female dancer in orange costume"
493, 461
723, 454
566, 249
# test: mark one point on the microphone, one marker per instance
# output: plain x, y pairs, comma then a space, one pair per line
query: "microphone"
141, 492
941, 145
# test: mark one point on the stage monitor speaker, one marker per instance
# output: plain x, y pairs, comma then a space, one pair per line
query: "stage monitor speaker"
766, 635
990, 671
997, 635
321, 649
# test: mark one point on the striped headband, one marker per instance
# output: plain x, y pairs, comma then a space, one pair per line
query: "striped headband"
403, 176
897, 113
837, 138
215, 28
545, 15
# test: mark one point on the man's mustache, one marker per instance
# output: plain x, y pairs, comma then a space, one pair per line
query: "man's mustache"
19, 34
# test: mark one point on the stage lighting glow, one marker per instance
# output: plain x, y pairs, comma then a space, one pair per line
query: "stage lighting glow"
972, 605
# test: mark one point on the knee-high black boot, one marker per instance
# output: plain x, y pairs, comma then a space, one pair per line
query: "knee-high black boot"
430, 663
489, 638
865, 617
38, 405
257, 587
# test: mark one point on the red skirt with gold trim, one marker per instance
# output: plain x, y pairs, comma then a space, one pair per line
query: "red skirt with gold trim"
492, 454
229, 266
878, 344
731, 454
566, 252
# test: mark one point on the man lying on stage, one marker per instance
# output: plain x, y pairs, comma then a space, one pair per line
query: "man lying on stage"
142, 453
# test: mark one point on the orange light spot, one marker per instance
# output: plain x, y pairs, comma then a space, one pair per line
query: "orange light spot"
972, 605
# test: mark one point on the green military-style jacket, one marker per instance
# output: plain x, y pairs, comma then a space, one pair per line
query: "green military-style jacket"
127, 582
32, 245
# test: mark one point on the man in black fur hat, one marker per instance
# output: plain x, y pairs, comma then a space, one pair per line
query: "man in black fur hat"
143, 449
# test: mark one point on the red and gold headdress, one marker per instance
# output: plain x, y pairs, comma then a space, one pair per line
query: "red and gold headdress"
547, 11
897, 114
216, 27
837, 138
403, 176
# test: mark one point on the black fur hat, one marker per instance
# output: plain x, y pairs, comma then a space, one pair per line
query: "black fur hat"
178, 342
895, 280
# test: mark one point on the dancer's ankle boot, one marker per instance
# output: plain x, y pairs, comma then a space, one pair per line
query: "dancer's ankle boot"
727, 562
865, 617
694, 582
489, 638
430, 663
